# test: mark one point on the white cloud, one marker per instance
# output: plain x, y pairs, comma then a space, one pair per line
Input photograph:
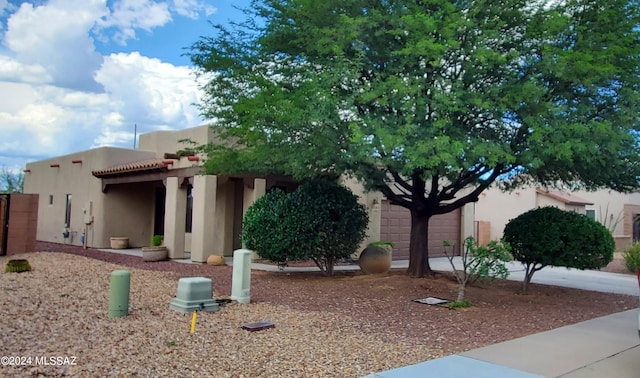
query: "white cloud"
192, 8
129, 15
56, 36
148, 90
40, 120
15, 96
12, 70
59, 95
47, 120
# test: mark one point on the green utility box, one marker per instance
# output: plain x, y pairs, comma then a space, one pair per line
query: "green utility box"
194, 294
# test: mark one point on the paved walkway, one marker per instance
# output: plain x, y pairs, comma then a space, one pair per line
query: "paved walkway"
605, 347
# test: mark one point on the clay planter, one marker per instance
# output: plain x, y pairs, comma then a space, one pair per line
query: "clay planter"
375, 259
154, 253
119, 242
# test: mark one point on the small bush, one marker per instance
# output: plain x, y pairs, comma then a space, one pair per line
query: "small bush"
157, 240
321, 220
17, 266
632, 257
479, 263
550, 236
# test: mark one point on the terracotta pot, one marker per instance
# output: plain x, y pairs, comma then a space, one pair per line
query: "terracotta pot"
154, 253
375, 259
119, 242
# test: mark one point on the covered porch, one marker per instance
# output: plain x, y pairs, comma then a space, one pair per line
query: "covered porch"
200, 215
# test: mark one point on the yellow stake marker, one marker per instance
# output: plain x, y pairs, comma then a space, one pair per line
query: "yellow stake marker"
193, 322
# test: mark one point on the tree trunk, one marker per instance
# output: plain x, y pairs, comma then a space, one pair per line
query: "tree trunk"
528, 274
461, 289
419, 246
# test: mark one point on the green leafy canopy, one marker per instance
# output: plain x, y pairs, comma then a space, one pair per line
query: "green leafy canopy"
428, 101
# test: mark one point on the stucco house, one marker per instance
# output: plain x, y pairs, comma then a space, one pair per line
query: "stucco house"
90, 196
616, 211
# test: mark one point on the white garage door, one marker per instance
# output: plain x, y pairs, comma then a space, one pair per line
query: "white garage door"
395, 226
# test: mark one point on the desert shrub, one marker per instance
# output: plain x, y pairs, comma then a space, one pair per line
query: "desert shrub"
550, 236
631, 257
321, 220
479, 263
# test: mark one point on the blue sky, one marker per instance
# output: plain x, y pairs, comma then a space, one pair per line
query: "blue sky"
78, 74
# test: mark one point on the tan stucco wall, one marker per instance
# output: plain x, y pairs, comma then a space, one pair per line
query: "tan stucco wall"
497, 207
130, 213
168, 141
86, 190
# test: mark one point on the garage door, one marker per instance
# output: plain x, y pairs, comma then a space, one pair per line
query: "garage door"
395, 226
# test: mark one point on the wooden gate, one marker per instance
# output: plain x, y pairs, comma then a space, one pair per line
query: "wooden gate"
4, 223
19, 221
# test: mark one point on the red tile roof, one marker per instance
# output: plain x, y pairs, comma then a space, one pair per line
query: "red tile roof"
133, 167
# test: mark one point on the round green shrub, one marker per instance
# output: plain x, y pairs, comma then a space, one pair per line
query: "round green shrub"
321, 220
550, 236
265, 229
631, 257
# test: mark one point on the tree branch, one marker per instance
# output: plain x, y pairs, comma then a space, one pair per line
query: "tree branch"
473, 196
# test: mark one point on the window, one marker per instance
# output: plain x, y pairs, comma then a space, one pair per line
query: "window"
67, 213
50, 199
591, 214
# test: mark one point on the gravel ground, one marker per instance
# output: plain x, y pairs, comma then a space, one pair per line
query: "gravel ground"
346, 326
60, 309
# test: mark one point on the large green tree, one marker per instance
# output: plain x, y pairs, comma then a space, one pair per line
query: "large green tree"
428, 101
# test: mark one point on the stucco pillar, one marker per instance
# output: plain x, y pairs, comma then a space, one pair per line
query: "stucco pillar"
251, 195
203, 219
223, 232
175, 216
